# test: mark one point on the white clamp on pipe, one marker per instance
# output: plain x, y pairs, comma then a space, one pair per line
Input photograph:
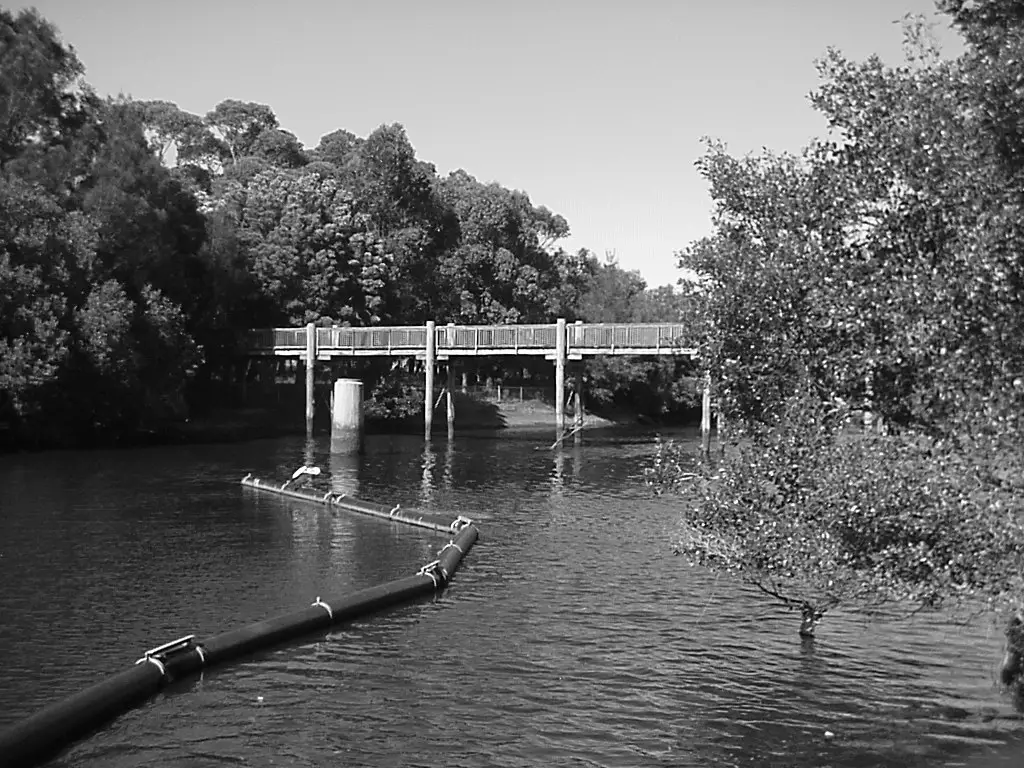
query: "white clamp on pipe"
431, 570
459, 523
325, 606
158, 655
394, 510
453, 545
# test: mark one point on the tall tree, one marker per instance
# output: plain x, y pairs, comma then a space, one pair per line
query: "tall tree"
238, 124
42, 94
166, 126
503, 269
313, 256
882, 270
279, 147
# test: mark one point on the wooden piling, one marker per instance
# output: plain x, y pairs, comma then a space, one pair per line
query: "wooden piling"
428, 372
705, 416
560, 375
450, 397
578, 397
310, 372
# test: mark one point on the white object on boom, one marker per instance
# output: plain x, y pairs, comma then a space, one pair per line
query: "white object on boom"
305, 470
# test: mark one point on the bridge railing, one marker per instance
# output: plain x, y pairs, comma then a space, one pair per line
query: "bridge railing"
260, 339
625, 335
588, 336
496, 336
381, 338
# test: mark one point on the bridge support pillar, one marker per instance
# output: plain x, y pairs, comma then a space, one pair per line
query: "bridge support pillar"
560, 376
577, 420
347, 416
705, 416
450, 398
428, 393
310, 375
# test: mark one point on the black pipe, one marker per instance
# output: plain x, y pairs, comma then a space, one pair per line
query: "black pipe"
48, 731
57, 725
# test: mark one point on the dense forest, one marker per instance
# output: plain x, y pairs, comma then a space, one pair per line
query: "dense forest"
137, 242
863, 319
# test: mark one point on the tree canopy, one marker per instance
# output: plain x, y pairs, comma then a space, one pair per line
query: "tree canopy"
876, 272
138, 242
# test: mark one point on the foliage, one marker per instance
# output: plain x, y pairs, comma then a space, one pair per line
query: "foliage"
878, 269
237, 125
502, 270
653, 387
138, 240
42, 95
816, 514
166, 126
394, 396
311, 254
99, 267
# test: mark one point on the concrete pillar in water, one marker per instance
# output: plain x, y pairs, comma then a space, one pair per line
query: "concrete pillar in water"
347, 417
428, 393
310, 371
450, 398
560, 376
705, 416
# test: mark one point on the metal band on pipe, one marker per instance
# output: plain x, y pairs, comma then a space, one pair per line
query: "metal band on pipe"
325, 606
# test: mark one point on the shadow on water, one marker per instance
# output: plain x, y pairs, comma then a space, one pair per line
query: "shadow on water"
569, 636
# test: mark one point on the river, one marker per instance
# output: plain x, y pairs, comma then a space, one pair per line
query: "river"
570, 635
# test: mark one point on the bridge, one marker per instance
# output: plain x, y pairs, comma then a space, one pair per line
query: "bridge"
578, 340
559, 342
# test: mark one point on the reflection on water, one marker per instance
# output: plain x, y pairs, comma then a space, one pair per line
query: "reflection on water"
570, 636
433, 478
345, 472
566, 470
428, 463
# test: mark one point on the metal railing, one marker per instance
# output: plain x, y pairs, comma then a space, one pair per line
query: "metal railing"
665, 338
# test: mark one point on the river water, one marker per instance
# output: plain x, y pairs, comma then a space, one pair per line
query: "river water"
570, 635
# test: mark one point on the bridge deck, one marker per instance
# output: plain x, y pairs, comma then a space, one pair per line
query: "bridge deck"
476, 340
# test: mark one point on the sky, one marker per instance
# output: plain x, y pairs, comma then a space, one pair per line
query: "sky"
594, 108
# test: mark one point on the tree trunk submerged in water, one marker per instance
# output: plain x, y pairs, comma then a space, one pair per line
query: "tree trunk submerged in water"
1013, 660
810, 618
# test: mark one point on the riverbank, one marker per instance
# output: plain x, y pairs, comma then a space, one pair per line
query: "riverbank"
239, 424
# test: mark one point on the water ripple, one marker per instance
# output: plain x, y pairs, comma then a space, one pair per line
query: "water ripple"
570, 636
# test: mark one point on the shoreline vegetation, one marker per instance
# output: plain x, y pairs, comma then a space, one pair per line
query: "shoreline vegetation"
139, 242
878, 269
239, 424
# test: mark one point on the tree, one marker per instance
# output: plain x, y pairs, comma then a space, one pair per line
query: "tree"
388, 181
339, 148
278, 147
502, 270
238, 124
652, 387
879, 269
149, 230
167, 126
312, 255
40, 256
100, 281
43, 97
399, 194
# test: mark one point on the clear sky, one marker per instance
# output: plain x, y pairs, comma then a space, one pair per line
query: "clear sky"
595, 108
